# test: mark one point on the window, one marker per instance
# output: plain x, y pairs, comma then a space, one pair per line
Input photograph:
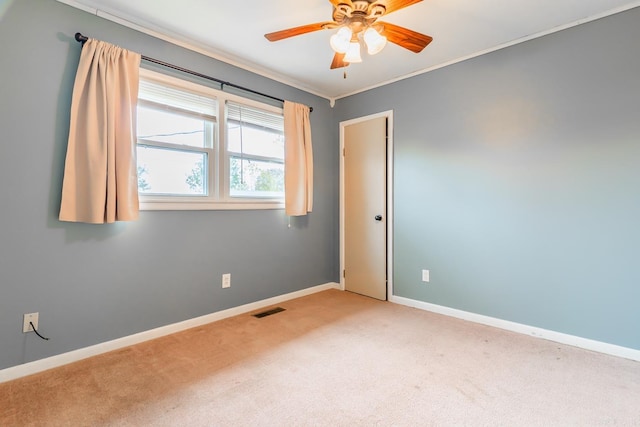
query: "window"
200, 148
255, 141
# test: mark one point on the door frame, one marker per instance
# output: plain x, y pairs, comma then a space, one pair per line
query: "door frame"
389, 219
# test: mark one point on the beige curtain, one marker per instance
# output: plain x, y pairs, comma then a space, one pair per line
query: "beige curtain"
298, 160
100, 176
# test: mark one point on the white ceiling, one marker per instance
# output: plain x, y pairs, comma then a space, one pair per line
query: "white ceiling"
233, 31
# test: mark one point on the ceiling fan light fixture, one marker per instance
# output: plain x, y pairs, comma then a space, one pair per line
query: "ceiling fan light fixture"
340, 41
353, 53
355, 22
374, 41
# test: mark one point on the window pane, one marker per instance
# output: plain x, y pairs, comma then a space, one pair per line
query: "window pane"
254, 132
252, 178
173, 172
168, 126
255, 141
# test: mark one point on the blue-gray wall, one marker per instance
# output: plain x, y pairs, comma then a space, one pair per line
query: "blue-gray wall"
94, 283
516, 184
517, 181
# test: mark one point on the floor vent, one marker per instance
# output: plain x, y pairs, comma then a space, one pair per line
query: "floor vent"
268, 312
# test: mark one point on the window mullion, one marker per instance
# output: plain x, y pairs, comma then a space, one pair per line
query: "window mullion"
223, 157
210, 141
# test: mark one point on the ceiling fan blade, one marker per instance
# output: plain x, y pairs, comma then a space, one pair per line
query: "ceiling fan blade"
338, 61
393, 5
296, 31
405, 37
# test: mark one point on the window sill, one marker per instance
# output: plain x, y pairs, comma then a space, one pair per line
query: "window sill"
207, 205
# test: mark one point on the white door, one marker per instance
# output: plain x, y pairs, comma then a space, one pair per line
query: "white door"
365, 207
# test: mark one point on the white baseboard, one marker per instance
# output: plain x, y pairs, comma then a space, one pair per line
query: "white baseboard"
30, 368
572, 340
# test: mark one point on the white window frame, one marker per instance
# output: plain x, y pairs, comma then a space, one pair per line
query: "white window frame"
218, 179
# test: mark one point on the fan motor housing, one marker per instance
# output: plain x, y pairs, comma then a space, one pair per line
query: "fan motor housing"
362, 14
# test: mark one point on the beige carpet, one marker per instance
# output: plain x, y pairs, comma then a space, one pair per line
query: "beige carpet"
334, 359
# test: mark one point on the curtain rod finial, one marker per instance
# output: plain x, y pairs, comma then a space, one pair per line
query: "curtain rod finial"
80, 38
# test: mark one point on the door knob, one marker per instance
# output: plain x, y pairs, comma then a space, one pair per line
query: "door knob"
378, 218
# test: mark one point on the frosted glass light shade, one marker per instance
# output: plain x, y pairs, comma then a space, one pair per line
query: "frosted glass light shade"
353, 53
375, 42
340, 41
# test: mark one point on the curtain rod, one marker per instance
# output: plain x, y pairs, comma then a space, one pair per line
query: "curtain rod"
82, 39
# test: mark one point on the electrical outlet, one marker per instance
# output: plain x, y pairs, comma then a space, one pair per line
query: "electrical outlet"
226, 280
27, 320
425, 275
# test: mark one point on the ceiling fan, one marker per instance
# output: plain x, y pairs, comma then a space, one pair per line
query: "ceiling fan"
356, 20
